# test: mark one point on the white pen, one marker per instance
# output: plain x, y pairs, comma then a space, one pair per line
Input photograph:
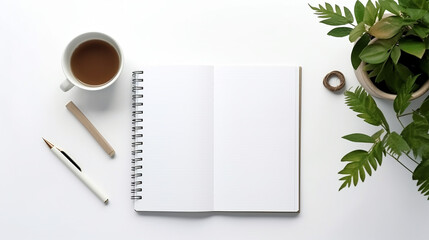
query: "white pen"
72, 165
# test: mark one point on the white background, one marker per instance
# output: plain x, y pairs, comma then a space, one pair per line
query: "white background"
41, 199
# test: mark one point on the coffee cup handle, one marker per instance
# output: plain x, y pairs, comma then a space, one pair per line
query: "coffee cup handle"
66, 85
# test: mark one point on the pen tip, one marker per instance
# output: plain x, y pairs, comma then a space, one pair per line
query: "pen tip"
50, 145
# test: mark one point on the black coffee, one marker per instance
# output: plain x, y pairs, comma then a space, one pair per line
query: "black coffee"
95, 62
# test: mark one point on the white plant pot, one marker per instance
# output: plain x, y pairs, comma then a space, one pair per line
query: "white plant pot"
365, 81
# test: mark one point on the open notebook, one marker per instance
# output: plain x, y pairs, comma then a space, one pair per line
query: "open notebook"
216, 138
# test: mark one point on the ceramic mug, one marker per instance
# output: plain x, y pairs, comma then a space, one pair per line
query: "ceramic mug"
71, 80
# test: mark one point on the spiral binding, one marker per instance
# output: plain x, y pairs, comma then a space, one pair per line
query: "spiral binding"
137, 136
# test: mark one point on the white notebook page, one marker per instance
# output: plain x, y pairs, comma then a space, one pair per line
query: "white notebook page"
256, 138
223, 138
178, 139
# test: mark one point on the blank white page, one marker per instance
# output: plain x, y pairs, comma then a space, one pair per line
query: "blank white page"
177, 172
256, 138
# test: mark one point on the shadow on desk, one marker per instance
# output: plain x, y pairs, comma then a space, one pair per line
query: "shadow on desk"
95, 101
196, 215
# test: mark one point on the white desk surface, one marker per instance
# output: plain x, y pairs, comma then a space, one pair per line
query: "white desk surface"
41, 199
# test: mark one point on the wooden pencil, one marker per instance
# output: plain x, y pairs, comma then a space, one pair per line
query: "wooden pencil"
91, 128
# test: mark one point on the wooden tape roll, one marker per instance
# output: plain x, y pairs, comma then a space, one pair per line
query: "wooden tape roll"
337, 74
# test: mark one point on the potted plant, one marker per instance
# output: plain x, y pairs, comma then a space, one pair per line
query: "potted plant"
390, 54
388, 48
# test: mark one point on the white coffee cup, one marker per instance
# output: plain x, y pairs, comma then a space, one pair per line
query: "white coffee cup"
71, 80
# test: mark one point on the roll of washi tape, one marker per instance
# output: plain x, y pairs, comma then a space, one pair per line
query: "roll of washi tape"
337, 74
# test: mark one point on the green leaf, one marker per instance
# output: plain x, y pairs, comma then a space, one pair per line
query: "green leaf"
374, 53
378, 151
391, 6
415, 14
334, 21
396, 144
372, 161
357, 32
348, 15
376, 70
419, 3
338, 9
348, 169
370, 14
412, 3
359, 137
361, 175
416, 135
381, 11
413, 46
387, 27
357, 49
360, 102
395, 54
426, 41
369, 67
422, 170
330, 16
360, 163
421, 30
345, 183
421, 174
386, 71
367, 167
409, 84
340, 32
402, 100
355, 177
423, 65
402, 71
398, 77
425, 19
359, 11
405, 3
354, 156
389, 43
377, 135
424, 108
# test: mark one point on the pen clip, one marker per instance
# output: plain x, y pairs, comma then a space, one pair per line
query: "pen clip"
70, 159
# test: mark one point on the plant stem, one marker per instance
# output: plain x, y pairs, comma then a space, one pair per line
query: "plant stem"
412, 159
399, 120
405, 114
397, 159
